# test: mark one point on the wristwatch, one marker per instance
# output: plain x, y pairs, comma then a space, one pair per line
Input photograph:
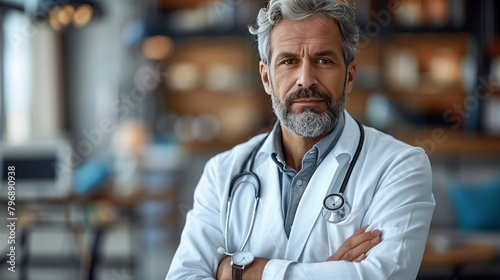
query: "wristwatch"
239, 261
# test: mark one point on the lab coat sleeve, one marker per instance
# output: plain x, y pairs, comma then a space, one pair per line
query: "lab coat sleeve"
197, 257
401, 208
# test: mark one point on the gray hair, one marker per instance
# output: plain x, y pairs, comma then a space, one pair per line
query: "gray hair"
296, 10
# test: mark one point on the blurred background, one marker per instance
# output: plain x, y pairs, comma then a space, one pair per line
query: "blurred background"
110, 109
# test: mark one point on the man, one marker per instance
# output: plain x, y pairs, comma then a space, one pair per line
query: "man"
307, 66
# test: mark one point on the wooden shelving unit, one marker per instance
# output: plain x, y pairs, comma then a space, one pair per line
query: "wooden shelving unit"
438, 41
220, 80
448, 143
427, 60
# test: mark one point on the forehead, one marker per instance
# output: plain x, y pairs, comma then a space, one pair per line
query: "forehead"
315, 32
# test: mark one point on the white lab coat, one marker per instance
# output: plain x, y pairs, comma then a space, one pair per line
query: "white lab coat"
390, 189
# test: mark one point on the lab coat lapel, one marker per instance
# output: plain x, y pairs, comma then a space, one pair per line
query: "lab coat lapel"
270, 204
310, 206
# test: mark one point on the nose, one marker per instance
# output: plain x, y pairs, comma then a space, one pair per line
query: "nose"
306, 76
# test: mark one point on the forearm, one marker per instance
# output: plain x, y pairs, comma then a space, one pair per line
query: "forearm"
353, 249
283, 269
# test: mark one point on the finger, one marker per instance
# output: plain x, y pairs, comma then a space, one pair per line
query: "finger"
360, 258
347, 245
361, 249
354, 241
360, 231
356, 245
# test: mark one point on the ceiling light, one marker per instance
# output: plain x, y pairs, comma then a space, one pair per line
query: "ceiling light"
62, 14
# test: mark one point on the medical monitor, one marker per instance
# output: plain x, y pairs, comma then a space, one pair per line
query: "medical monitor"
42, 169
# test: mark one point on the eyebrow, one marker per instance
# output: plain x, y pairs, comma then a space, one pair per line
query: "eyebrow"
328, 53
320, 53
283, 55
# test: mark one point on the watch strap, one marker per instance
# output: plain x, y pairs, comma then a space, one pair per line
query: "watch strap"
237, 272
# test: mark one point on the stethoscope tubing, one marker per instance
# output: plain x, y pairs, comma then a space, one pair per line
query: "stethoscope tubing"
229, 205
247, 170
256, 202
354, 158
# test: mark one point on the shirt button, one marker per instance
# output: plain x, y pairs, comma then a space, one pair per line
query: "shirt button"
299, 183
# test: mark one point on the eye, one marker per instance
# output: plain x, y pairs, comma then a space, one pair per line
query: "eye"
288, 61
324, 61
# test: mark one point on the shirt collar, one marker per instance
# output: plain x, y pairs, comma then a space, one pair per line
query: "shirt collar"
322, 148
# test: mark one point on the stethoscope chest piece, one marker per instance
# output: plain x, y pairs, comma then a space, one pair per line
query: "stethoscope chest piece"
335, 208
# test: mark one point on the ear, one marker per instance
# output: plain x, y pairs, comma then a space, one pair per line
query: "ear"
264, 76
351, 76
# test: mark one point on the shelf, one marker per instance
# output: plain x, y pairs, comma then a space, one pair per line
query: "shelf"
493, 47
181, 4
356, 102
429, 100
449, 143
214, 91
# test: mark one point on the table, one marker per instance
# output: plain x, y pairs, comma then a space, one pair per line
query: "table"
458, 255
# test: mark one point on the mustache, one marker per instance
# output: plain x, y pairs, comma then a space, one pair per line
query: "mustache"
312, 92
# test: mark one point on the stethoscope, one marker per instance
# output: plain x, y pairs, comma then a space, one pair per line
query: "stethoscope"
335, 207
246, 170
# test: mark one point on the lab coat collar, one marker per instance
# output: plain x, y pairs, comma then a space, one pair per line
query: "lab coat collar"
348, 141
346, 144
321, 148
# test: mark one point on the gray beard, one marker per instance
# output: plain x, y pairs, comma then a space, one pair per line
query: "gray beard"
309, 123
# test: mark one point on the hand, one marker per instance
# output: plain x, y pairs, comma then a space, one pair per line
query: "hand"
355, 247
254, 271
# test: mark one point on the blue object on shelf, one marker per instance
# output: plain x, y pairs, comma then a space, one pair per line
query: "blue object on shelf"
477, 206
91, 176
